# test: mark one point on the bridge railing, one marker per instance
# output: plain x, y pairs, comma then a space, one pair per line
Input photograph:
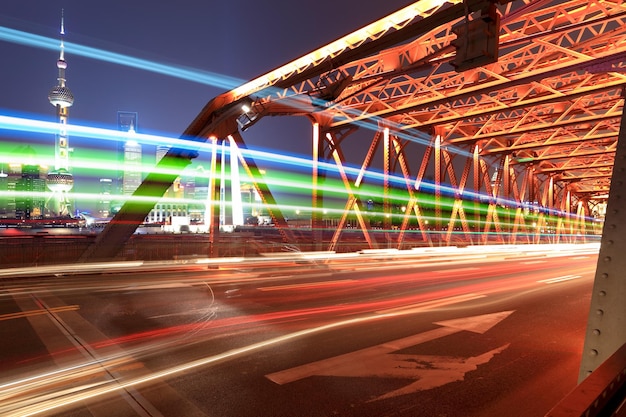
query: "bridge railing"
602, 393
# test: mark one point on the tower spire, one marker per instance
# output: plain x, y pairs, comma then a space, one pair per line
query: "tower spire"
60, 181
62, 53
60, 95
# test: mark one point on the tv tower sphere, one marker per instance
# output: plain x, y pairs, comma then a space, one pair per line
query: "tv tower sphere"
60, 180
60, 95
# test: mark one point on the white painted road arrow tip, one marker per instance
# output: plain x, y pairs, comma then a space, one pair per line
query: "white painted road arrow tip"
477, 324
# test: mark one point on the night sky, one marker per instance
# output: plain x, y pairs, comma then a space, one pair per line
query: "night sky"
240, 39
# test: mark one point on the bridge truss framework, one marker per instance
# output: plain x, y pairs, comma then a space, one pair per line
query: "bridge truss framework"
537, 130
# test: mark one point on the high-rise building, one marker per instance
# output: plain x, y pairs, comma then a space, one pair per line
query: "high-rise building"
132, 167
129, 153
7, 189
129, 160
127, 121
175, 208
30, 189
105, 197
24, 184
60, 181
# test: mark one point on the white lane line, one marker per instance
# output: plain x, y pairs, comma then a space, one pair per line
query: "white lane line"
560, 279
533, 262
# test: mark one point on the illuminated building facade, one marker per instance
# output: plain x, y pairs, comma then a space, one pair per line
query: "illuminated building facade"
105, 199
22, 186
7, 192
60, 181
131, 152
173, 208
30, 188
132, 167
129, 161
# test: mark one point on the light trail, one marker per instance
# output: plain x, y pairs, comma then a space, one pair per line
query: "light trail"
23, 314
560, 279
74, 130
299, 183
304, 286
52, 401
24, 38
34, 126
43, 393
194, 75
239, 87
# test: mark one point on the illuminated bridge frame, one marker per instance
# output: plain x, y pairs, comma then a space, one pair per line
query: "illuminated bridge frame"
547, 114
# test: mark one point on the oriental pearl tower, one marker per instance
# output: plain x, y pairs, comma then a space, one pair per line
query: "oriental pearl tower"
60, 181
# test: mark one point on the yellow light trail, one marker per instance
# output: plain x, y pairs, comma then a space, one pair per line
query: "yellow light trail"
22, 314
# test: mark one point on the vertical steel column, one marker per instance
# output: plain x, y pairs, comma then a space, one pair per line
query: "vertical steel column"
606, 326
566, 214
226, 191
550, 206
317, 194
550, 194
438, 186
579, 222
488, 193
541, 220
520, 220
213, 214
530, 173
582, 211
562, 221
532, 198
386, 174
476, 190
412, 204
506, 195
457, 208
494, 194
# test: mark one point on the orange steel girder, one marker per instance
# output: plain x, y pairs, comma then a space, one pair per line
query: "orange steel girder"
457, 209
412, 205
353, 201
536, 73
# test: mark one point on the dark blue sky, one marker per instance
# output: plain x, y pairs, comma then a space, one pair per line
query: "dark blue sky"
238, 38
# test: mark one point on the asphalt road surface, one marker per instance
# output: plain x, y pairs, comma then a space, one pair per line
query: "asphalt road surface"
453, 333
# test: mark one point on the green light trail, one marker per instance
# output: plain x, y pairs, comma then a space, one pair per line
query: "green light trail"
295, 188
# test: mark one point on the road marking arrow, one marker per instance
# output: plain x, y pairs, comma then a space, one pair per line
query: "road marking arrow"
560, 279
428, 371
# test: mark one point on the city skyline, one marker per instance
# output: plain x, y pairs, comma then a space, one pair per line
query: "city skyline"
158, 37
104, 89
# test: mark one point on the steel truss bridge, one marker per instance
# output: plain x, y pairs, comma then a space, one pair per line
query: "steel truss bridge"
509, 103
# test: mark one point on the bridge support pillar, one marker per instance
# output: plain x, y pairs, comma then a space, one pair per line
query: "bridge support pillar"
317, 198
606, 326
213, 213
